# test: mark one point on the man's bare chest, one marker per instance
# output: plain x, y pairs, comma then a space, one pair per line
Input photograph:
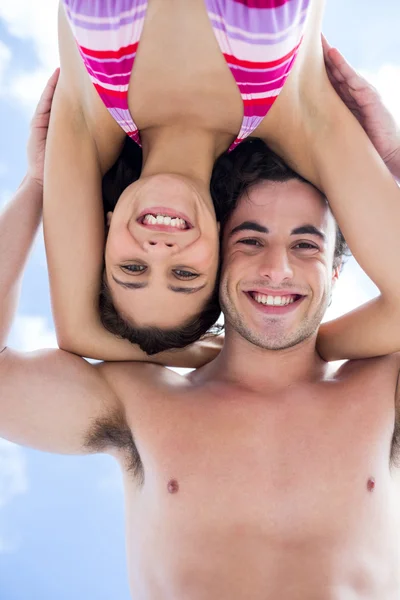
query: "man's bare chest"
233, 488
326, 445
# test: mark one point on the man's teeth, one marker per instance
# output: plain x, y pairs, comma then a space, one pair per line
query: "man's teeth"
163, 220
273, 300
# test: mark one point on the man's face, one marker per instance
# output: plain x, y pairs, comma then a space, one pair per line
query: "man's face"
277, 273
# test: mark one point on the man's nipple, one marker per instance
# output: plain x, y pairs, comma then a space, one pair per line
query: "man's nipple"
173, 486
371, 484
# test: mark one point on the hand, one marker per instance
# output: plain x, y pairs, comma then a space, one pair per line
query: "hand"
366, 105
38, 132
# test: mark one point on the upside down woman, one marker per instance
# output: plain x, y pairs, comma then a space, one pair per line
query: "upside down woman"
186, 80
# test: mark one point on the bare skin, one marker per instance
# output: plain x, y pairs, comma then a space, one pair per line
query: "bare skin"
308, 126
272, 499
266, 474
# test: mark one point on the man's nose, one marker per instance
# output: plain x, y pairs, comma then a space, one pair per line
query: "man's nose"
275, 266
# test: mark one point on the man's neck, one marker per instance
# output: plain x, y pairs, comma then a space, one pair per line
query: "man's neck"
254, 368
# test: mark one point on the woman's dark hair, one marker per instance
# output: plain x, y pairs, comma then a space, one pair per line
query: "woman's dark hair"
151, 340
233, 175
251, 162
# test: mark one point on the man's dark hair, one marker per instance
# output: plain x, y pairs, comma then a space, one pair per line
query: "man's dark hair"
233, 175
150, 339
250, 163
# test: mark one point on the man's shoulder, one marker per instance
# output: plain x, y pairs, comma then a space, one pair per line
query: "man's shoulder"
388, 364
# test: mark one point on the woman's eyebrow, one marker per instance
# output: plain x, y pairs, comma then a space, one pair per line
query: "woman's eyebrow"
186, 290
130, 285
180, 290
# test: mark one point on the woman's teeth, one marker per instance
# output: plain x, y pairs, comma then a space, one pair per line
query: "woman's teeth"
150, 219
273, 300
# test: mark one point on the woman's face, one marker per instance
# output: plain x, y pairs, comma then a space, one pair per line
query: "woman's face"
162, 251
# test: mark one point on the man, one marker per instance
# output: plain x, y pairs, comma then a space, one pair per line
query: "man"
264, 475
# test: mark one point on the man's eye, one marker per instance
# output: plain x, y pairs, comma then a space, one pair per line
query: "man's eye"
306, 246
134, 268
182, 274
250, 242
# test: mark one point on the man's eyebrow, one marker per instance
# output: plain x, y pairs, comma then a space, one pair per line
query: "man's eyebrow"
254, 226
310, 230
249, 226
137, 286
130, 285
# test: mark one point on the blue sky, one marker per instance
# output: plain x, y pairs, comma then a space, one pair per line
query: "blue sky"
61, 518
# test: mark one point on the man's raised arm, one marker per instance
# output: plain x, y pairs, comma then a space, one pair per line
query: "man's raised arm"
49, 399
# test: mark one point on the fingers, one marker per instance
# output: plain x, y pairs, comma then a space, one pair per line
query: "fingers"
344, 72
46, 98
325, 47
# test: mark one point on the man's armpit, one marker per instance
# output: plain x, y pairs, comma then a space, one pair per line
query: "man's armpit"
395, 448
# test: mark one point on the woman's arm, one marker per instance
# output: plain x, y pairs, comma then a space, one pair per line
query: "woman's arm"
364, 101
373, 328
74, 236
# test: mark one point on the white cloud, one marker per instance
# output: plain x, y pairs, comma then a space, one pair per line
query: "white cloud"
352, 289
30, 333
5, 59
13, 473
13, 483
34, 22
4, 170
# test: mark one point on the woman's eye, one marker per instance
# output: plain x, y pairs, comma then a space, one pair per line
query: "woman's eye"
305, 246
134, 268
250, 242
182, 274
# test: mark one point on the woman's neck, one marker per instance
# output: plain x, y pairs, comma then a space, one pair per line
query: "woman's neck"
180, 151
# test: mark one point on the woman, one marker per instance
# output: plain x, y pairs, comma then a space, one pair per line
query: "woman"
160, 274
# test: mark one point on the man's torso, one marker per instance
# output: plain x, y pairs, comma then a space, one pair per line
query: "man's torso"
240, 494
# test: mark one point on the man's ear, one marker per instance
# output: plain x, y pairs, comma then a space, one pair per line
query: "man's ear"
336, 273
109, 217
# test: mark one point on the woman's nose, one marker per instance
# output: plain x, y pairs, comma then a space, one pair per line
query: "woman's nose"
158, 247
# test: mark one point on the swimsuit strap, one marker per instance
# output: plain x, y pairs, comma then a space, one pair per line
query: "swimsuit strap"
249, 32
108, 35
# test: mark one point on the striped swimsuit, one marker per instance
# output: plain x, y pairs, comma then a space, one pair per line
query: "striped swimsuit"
258, 38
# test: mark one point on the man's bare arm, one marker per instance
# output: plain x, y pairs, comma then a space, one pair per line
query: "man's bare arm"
20, 218
50, 400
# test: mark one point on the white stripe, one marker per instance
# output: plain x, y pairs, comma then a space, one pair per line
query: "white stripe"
260, 36
107, 19
265, 70
256, 53
109, 86
106, 40
268, 94
108, 60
